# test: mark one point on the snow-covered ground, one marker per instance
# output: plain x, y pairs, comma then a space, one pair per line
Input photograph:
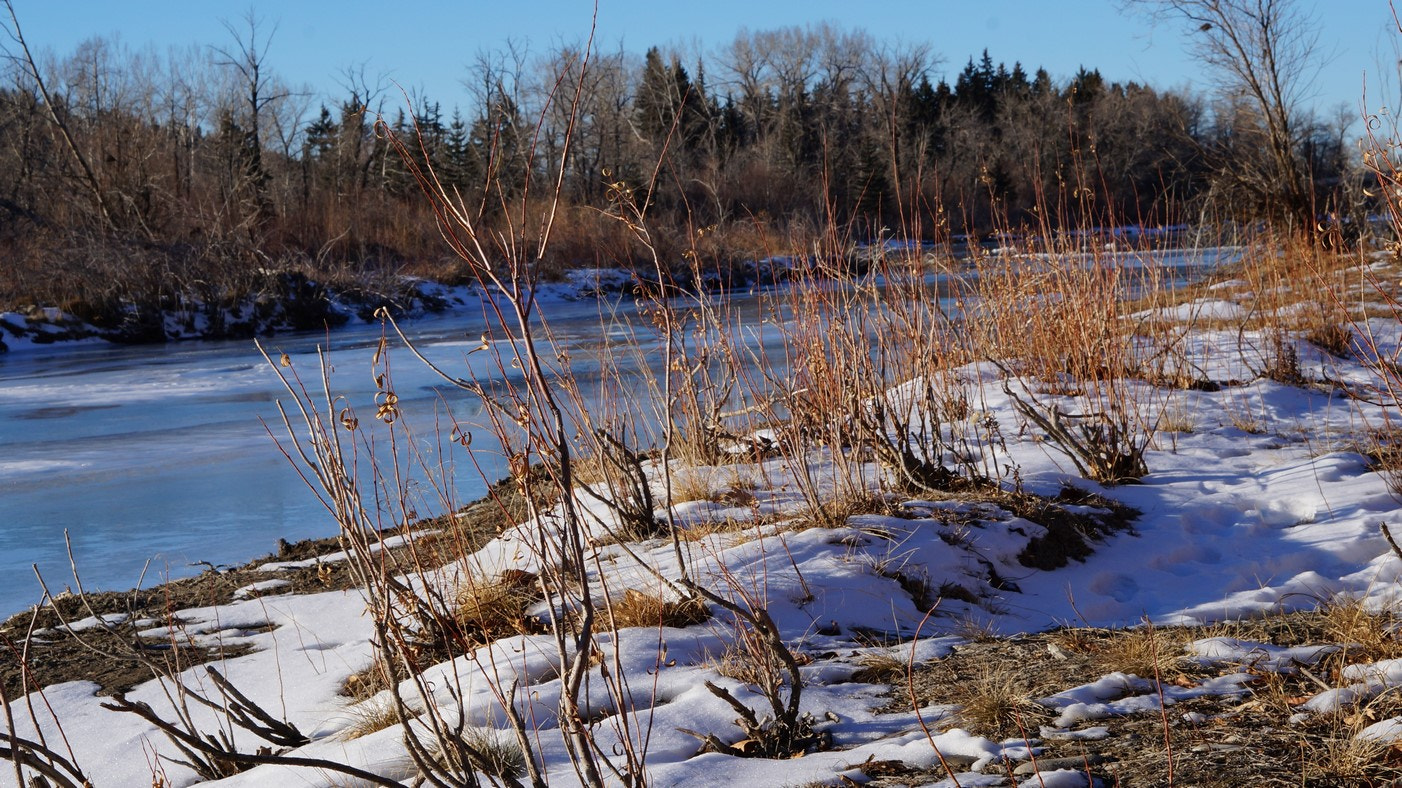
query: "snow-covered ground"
1258, 500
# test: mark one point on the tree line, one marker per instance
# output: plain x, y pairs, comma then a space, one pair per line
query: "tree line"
137, 183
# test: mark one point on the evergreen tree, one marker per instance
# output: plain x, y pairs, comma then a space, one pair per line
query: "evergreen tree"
657, 101
459, 170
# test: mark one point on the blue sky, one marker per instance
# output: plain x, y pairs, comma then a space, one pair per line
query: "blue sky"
428, 44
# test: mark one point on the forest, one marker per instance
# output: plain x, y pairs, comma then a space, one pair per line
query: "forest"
136, 184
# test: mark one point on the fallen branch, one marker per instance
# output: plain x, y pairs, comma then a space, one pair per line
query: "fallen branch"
185, 740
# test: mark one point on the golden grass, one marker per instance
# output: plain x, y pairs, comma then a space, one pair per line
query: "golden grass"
491, 608
638, 609
694, 484
997, 702
1146, 651
880, 667
1373, 635
373, 715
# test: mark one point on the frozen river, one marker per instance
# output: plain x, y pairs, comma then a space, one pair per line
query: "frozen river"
160, 453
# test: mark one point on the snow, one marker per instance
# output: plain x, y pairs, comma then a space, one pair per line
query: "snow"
1369, 681
1258, 656
1233, 522
1192, 311
1387, 730
260, 588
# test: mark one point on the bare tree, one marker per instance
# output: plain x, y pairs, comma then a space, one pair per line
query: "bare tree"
889, 75
248, 58
1265, 52
26, 58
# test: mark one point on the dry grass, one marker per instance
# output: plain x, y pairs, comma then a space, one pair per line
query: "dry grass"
880, 667
837, 510
638, 609
739, 491
1343, 759
971, 628
373, 715
694, 484
1333, 337
707, 528
1254, 739
369, 682
1145, 651
1059, 329
488, 751
997, 702
1374, 635
1244, 416
590, 469
488, 609
737, 662
1383, 445
1178, 418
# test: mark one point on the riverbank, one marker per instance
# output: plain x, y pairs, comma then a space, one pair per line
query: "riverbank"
291, 302
1229, 703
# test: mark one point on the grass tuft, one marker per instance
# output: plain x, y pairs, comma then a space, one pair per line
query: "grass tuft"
880, 667
997, 702
372, 715
488, 609
637, 609
485, 750
368, 682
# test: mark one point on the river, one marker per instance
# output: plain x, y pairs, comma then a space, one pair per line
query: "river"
156, 461
160, 454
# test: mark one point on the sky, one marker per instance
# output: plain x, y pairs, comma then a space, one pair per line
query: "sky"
427, 46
